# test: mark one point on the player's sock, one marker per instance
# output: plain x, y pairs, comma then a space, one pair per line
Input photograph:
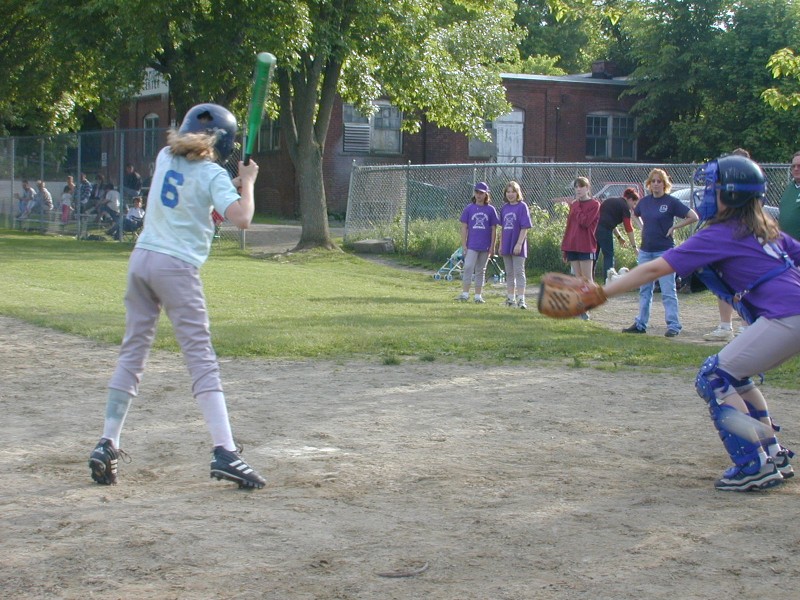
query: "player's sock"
216, 415
117, 407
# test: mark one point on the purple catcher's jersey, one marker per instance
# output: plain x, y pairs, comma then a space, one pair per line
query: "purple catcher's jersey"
741, 261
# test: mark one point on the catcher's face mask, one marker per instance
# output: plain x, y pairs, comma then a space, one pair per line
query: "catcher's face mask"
705, 194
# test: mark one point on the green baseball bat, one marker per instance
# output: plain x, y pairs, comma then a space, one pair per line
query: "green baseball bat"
265, 63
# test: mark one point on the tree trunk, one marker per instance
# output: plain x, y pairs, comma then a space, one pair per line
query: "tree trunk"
313, 204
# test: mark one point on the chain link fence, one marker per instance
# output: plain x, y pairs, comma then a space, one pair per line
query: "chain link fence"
52, 159
389, 201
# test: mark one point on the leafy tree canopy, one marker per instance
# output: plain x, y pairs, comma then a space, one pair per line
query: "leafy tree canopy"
701, 70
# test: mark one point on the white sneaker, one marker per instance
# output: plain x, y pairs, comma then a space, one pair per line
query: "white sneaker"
510, 301
479, 299
463, 297
719, 335
521, 302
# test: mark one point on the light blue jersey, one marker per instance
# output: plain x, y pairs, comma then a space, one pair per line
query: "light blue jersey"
183, 193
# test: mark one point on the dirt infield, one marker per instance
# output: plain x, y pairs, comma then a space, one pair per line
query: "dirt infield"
413, 481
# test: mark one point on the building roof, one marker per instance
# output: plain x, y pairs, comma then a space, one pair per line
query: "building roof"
577, 78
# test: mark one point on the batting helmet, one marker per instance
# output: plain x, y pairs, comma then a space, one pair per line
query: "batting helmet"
215, 120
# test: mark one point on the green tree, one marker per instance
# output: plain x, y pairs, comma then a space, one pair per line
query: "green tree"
45, 82
785, 68
672, 43
700, 75
437, 59
570, 35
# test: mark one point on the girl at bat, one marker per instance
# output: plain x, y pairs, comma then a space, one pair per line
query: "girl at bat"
745, 260
163, 272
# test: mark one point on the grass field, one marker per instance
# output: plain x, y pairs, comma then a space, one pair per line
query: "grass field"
317, 304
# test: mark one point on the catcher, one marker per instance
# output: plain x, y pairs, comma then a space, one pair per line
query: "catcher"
744, 259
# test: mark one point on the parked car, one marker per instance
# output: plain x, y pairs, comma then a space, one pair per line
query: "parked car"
685, 196
614, 189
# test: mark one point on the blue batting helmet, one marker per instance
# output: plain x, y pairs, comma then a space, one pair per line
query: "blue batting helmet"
215, 120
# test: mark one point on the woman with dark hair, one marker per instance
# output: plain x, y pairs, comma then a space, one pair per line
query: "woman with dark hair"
613, 213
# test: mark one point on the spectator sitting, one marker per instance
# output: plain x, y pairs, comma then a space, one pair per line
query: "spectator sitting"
43, 199
98, 189
108, 204
25, 200
133, 221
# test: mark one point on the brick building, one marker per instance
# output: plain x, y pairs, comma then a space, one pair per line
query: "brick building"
571, 118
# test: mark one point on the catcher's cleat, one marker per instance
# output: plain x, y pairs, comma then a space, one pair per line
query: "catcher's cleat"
747, 478
782, 463
226, 464
103, 462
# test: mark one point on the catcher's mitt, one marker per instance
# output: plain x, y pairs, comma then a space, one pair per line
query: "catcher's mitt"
563, 296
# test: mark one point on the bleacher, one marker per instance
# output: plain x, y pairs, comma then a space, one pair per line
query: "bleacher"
51, 223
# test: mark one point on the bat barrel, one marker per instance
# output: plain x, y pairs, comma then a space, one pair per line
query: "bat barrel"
265, 62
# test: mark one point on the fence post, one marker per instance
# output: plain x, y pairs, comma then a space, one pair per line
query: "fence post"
408, 188
77, 199
348, 212
13, 176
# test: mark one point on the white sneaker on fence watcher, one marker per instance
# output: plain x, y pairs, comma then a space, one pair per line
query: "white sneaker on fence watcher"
719, 335
463, 297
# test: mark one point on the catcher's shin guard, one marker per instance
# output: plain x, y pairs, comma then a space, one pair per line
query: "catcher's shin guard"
710, 378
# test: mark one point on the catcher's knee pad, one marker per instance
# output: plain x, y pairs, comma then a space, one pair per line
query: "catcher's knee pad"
711, 379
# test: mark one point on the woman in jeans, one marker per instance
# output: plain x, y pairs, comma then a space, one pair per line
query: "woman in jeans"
657, 212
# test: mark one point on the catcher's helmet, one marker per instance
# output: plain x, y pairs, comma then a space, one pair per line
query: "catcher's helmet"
738, 180
213, 119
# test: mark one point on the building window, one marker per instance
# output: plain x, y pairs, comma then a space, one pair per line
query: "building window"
610, 136
269, 136
479, 148
150, 145
378, 134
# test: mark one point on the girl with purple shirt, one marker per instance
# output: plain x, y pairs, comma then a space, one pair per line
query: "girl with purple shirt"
749, 263
515, 219
479, 222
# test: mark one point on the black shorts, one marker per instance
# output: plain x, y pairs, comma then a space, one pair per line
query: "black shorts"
576, 256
